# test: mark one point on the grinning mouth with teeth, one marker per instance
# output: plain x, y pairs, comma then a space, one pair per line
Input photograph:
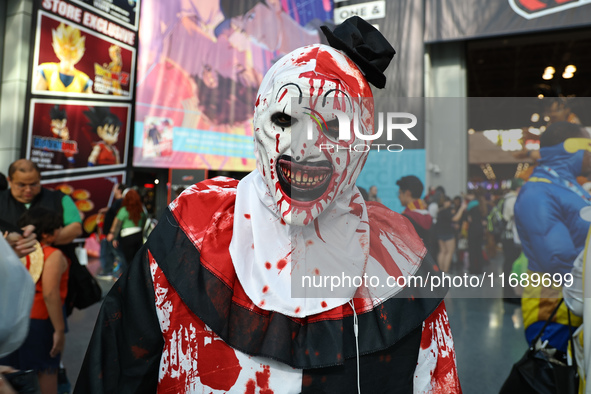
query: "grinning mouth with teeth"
305, 181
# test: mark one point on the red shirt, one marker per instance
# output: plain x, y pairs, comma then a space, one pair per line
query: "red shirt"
39, 310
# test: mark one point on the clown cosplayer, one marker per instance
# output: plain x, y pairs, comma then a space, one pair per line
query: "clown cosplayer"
230, 294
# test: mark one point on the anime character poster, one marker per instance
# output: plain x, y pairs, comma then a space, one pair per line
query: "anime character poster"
74, 61
90, 193
157, 137
200, 65
78, 136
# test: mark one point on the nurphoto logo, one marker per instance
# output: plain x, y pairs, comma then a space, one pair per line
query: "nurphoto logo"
339, 129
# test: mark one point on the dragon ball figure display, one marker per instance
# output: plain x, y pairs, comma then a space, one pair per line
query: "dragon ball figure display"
107, 126
59, 128
69, 46
115, 67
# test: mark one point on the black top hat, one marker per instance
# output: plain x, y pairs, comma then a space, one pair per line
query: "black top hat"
365, 45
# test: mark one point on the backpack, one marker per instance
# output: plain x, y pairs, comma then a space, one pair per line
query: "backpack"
496, 223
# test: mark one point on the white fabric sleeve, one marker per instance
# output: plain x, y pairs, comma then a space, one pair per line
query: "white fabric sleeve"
573, 295
16, 299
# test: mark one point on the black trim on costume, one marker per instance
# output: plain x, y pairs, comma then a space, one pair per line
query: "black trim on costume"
276, 336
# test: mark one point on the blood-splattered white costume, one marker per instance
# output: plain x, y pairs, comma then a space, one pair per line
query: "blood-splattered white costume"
211, 304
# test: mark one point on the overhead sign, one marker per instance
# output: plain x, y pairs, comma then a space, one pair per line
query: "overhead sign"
530, 9
367, 11
466, 19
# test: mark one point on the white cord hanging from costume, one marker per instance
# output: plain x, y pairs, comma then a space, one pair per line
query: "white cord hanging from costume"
356, 332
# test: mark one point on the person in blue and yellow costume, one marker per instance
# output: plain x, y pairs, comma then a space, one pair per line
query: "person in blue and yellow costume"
69, 46
551, 230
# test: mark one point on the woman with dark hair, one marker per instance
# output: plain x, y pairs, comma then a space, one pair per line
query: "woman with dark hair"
447, 215
45, 342
128, 224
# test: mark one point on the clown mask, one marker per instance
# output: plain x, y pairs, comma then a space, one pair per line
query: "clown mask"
305, 157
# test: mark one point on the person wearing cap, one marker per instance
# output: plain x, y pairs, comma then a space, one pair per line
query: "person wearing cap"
511, 249
217, 299
551, 230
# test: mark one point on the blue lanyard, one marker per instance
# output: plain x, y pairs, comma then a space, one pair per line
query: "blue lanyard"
566, 183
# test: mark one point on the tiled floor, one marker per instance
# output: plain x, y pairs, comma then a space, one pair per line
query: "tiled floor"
488, 336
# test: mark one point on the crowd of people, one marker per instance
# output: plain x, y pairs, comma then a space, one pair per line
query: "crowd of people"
538, 222
206, 304
40, 226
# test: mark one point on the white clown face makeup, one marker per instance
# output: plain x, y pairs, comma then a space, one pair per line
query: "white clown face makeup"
306, 168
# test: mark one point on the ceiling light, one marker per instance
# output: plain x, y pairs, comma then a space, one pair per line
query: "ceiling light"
471, 131
535, 117
540, 96
547, 77
549, 70
570, 69
566, 75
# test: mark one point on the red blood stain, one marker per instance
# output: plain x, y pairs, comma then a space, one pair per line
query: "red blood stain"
258, 101
318, 230
251, 387
282, 222
356, 208
323, 304
265, 289
427, 335
316, 353
277, 142
435, 268
262, 303
282, 95
293, 335
297, 310
309, 242
247, 215
218, 366
338, 160
306, 57
327, 65
307, 352
263, 380
316, 271
252, 246
268, 265
281, 264
389, 326
138, 352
